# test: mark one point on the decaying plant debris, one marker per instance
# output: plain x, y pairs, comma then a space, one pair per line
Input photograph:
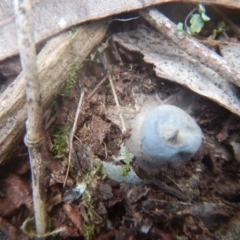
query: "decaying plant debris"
163, 54
54, 64
201, 197
80, 11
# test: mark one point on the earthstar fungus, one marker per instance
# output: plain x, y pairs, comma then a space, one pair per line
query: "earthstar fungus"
169, 135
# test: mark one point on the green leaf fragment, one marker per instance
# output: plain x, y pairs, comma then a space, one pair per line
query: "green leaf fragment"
221, 26
180, 26
201, 8
197, 23
205, 18
127, 158
180, 29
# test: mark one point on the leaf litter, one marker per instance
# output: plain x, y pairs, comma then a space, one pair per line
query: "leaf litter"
116, 210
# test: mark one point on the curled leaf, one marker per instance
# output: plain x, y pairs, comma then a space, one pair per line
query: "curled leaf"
205, 18
201, 8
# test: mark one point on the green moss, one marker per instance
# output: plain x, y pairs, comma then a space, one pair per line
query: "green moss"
88, 231
60, 141
72, 75
90, 180
127, 159
125, 170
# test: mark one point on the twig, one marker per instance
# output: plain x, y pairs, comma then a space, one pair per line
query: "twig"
172, 191
150, 179
213, 43
124, 129
191, 46
115, 53
187, 18
97, 87
107, 68
33, 138
72, 135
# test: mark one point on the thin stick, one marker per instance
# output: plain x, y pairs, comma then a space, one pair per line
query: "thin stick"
107, 68
124, 129
169, 190
33, 138
72, 135
187, 18
97, 87
191, 46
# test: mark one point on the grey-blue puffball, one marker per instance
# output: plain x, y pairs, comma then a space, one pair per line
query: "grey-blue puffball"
170, 135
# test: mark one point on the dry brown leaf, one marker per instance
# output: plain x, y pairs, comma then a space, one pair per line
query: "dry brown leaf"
99, 128
74, 214
175, 65
17, 193
52, 17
